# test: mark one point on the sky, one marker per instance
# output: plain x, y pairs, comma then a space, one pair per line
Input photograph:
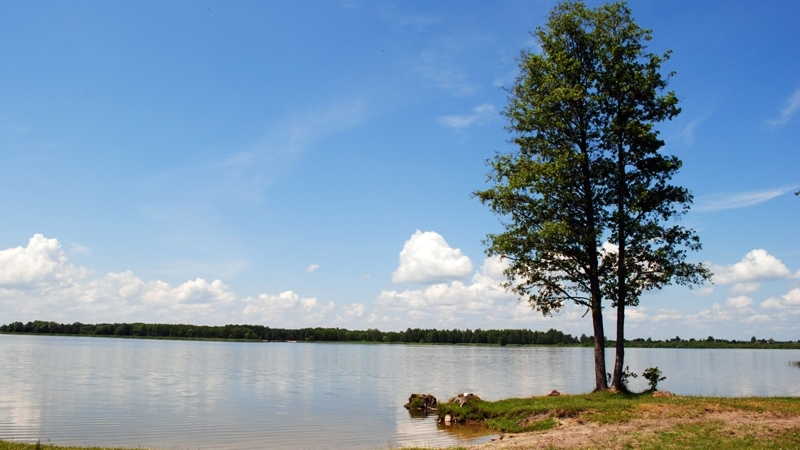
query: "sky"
296, 164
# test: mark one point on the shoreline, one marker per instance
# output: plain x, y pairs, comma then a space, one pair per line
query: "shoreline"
609, 420
609, 345
652, 419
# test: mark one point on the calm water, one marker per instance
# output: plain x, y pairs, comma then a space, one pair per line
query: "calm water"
215, 395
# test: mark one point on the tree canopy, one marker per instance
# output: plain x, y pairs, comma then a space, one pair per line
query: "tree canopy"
586, 196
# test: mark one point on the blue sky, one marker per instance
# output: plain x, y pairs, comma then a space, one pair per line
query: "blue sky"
311, 163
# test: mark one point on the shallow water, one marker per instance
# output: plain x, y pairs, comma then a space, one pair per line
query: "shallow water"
215, 395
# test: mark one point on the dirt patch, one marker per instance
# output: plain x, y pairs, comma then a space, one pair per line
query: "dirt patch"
574, 432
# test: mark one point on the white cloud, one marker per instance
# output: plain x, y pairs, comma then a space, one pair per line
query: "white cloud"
756, 318
78, 248
636, 315
312, 268
426, 257
665, 315
42, 262
478, 296
687, 133
758, 265
792, 105
39, 282
483, 298
720, 202
739, 302
439, 64
790, 300
703, 291
355, 310
745, 288
286, 308
480, 115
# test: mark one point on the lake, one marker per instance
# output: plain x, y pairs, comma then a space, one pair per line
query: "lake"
231, 395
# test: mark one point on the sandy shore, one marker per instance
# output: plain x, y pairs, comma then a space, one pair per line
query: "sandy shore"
577, 433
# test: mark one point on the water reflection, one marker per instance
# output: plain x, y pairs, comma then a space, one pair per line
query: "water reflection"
176, 394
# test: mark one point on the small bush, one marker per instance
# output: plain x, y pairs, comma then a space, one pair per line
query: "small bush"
653, 375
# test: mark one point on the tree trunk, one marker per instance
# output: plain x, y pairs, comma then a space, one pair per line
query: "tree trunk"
622, 273
619, 360
600, 381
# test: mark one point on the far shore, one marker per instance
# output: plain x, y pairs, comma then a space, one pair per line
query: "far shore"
688, 345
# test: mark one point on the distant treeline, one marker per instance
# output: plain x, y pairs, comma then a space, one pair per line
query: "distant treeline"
259, 332
410, 335
710, 342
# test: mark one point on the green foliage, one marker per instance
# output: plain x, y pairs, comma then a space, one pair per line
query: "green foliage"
626, 375
653, 376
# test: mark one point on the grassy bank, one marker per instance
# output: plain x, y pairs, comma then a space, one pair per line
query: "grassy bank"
606, 420
6, 445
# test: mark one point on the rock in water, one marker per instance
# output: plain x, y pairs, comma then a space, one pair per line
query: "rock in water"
421, 402
447, 419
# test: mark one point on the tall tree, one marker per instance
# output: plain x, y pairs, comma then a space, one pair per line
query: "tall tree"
649, 253
588, 168
549, 190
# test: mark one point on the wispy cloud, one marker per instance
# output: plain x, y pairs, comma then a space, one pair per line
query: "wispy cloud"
439, 64
792, 105
80, 249
40, 179
480, 114
247, 173
686, 135
405, 21
719, 202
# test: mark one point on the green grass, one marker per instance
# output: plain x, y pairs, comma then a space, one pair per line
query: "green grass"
705, 435
6, 445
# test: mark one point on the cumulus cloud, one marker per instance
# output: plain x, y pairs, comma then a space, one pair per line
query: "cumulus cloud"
758, 265
39, 282
285, 308
739, 302
745, 288
354, 310
450, 304
474, 297
426, 258
312, 268
480, 115
41, 263
703, 291
790, 300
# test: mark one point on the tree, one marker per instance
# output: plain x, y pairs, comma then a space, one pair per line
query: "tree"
582, 114
649, 253
549, 189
